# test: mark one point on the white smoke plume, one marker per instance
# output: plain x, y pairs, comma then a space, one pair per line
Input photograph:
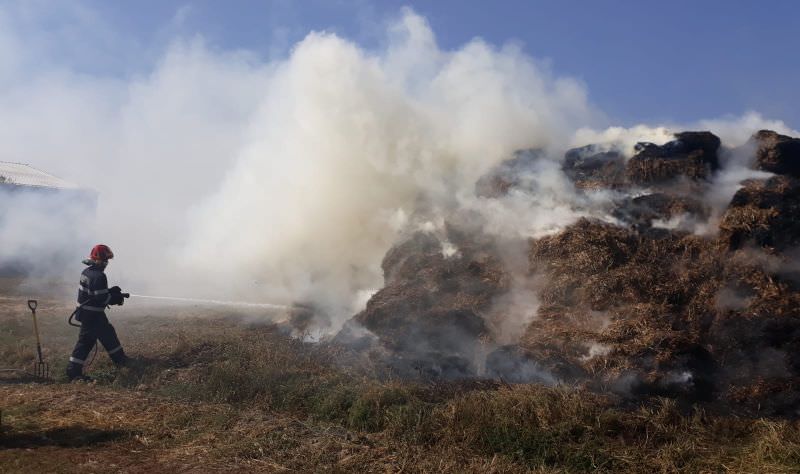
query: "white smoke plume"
345, 140
29, 220
224, 175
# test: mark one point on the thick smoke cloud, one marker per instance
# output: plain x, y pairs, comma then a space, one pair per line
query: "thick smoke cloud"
230, 176
347, 143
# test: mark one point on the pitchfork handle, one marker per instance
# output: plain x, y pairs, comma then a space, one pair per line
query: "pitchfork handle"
32, 305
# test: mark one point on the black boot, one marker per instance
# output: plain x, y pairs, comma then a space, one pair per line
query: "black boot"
75, 372
120, 359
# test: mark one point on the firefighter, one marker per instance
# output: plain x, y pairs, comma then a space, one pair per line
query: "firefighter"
94, 296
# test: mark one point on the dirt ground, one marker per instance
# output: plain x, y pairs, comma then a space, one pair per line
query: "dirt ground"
85, 428
216, 390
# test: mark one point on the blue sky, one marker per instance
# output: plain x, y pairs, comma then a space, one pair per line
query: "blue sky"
641, 61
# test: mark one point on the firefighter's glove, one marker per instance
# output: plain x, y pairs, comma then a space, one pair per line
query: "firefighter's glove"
116, 296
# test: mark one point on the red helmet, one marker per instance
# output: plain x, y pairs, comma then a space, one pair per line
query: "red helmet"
101, 253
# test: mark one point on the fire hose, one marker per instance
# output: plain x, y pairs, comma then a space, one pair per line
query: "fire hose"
69, 321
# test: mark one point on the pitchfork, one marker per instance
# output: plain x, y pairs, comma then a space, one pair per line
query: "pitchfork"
41, 369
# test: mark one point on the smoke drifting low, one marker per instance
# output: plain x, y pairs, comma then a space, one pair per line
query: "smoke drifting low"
29, 220
229, 176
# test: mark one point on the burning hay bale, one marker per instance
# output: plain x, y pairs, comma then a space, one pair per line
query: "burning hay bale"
777, 153
642, 309
764, 213
591, 167
643, 212
679, 316
612, 307
691, 155
756, 332
429, 312
512, 173
587, 247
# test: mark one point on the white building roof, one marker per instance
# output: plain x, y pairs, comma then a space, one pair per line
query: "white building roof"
26, 175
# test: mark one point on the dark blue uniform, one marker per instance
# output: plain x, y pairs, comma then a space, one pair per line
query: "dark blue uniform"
93, 297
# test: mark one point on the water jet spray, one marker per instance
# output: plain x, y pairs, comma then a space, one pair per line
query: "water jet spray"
215, 302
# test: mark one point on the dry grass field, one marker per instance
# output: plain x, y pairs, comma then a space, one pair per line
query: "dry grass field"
216, 390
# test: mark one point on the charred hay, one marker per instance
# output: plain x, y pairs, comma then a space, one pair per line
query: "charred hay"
764, 213
777, 153
429, 313
666, 332
642, 212
590, 167
512, 173
691, 155
626, 307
